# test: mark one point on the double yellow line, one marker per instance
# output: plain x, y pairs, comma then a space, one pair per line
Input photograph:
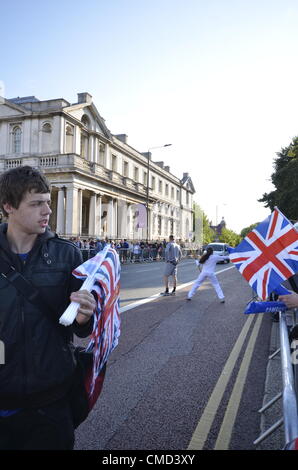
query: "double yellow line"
203, 428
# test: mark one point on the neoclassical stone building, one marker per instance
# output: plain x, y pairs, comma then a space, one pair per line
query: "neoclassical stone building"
99, 182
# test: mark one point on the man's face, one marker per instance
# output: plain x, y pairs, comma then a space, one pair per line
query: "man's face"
32, 215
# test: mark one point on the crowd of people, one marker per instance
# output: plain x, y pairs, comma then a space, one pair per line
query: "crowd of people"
129, 251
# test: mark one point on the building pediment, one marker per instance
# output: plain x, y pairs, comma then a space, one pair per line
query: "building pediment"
187, 183
88, 114
9, 109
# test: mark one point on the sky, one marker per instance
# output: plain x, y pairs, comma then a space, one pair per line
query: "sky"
217, 79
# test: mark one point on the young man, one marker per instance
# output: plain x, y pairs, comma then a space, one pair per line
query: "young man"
39, 365
172, 258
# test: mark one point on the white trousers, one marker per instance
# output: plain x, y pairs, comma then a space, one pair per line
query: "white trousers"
200, 280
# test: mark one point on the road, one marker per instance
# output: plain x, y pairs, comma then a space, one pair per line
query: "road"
140, 281
185, 375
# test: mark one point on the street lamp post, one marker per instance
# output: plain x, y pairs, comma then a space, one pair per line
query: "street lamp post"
147, 191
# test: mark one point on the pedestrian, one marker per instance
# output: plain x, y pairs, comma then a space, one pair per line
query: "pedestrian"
208, 263
39, 367
172, 258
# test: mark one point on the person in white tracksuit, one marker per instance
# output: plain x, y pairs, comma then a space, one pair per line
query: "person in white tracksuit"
208, 261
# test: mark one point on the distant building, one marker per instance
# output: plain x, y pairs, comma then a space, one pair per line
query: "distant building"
218, 228
99, 182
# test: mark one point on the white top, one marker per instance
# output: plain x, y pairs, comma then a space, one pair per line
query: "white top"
209, 265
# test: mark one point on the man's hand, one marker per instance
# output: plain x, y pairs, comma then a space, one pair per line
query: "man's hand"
87, 305
290, 300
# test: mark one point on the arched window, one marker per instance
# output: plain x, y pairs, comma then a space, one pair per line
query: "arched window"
47, 128
85, 121
84, 145
16, 139
69, 132
101, 154
46, 137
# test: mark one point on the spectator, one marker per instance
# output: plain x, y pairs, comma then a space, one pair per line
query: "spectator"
136, 252
172, 258
39, 364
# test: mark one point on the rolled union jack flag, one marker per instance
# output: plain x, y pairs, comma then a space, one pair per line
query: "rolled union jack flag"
268, 255
106, 327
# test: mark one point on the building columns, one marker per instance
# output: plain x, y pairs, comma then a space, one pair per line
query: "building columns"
98, 216
60, 226
71, 218
92, 215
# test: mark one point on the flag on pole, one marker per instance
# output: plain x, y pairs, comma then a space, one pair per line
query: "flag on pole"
268, 255
106, 327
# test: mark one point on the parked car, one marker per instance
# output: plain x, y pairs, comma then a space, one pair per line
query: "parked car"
220, 249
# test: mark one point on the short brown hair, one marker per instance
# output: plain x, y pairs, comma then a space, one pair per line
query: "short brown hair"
15, 183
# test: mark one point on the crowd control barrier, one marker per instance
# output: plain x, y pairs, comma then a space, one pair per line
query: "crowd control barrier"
141, 255
289, 369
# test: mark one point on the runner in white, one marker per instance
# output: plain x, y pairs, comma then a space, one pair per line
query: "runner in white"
208, 262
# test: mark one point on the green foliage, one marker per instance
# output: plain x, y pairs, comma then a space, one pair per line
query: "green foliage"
203, 233
285, 180
230, 237
208, 233
246, 230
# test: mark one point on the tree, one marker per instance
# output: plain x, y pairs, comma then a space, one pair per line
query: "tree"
246, 230
285, 180
230, 237
202, 230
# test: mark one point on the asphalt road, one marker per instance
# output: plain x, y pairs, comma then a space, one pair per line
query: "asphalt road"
185, 375
141, 280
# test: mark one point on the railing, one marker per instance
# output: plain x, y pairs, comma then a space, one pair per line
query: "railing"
289, 370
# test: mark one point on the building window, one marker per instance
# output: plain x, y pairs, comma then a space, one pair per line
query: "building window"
187, 198
136, 174
145, 178
125, 169
16, 139
46, 137
160, 186
85, 121
84, 145
177, 195
101, 154
167, 189
69, 133
172, 193
153, 183
114, 163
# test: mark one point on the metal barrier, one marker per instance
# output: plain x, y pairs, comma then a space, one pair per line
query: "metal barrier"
141, 255
289, 393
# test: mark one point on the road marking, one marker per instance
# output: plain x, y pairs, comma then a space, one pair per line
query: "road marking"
225, 433
203, 428
155, 296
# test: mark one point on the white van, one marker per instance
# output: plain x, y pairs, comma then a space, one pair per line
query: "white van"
220, 249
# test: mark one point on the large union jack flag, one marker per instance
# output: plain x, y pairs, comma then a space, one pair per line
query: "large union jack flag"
106, 327
268, 255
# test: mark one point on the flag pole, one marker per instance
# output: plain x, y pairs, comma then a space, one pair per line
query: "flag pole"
67, 318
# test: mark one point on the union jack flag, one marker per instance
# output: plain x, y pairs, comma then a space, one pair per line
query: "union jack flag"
106, 327
268, 255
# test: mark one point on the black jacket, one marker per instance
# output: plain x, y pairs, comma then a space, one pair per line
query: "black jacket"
39, 363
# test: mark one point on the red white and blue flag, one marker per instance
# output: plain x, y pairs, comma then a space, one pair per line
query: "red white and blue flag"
106, 327
268, 255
